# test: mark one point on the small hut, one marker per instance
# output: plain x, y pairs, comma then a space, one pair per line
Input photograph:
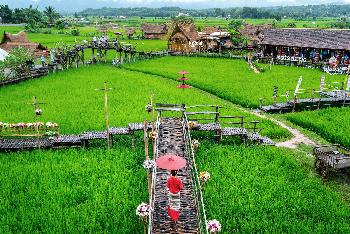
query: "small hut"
129, 32
10, 41
215, 39
184, 38
154, 31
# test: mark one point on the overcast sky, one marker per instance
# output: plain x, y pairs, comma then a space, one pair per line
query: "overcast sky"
76, 5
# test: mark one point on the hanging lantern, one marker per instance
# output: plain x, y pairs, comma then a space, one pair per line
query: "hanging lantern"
183, 79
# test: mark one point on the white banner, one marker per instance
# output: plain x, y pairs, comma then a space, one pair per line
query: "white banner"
348, 85
298, 86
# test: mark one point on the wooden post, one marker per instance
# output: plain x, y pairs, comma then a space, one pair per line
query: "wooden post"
149, 172
93, 55
217, 114
109, 139
82, 56
152, 103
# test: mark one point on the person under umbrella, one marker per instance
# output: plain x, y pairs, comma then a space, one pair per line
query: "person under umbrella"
173, 163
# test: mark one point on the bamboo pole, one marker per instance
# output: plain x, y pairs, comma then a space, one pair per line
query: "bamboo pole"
152, 100
109, 143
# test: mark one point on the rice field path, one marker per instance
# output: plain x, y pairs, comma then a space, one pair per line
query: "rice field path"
298, 137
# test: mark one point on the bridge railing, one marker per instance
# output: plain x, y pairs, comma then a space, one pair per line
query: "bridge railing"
153, 184
197, 186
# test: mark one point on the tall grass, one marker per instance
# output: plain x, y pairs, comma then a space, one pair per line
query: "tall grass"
72, 191
265, 190
332, 123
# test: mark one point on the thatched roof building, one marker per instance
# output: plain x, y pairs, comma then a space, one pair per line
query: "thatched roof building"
184, 38
210, 30
10, 41
130, 31
253, 32
154, 31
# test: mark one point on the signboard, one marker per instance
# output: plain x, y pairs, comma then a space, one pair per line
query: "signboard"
291, 58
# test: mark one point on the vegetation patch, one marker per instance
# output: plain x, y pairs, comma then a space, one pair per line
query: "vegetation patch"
332, 123
265, 190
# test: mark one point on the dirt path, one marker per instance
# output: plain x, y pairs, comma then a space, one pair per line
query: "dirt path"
297, 139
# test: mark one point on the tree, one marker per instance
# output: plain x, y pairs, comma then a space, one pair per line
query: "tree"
51, 15
5, 13
235, 24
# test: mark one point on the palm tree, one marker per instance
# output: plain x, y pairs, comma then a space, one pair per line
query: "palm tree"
51, 15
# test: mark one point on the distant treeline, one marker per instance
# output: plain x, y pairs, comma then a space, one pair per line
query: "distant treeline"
240, 12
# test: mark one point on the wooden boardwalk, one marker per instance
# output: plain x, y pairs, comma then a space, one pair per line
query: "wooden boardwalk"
306, 104
171, 140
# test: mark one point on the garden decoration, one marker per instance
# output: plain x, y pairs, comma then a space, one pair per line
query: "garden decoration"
195, 145
144, 211
37, 112
183, 79
213, 226
204, 177
105, 90
192, 124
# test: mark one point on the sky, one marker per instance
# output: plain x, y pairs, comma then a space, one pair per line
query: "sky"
77, 5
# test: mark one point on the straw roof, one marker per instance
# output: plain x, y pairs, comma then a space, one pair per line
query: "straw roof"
154, 28
210, 30
187, 29
10, 41
129, 31
252, 32
308, 38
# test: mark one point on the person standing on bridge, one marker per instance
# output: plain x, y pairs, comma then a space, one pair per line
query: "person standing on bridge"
174, 184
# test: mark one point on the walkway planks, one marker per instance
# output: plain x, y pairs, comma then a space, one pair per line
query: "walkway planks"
171, 140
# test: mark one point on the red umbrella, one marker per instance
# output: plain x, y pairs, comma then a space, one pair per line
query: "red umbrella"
171, 162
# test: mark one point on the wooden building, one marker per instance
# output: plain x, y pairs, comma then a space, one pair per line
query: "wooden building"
253, 32
10, 41
129, 31
184, 38
215, 40
154, 31
307, 45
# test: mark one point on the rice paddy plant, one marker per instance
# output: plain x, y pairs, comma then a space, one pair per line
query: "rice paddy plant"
72, 101
265, 190
72, 191
232, 80
332, 123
